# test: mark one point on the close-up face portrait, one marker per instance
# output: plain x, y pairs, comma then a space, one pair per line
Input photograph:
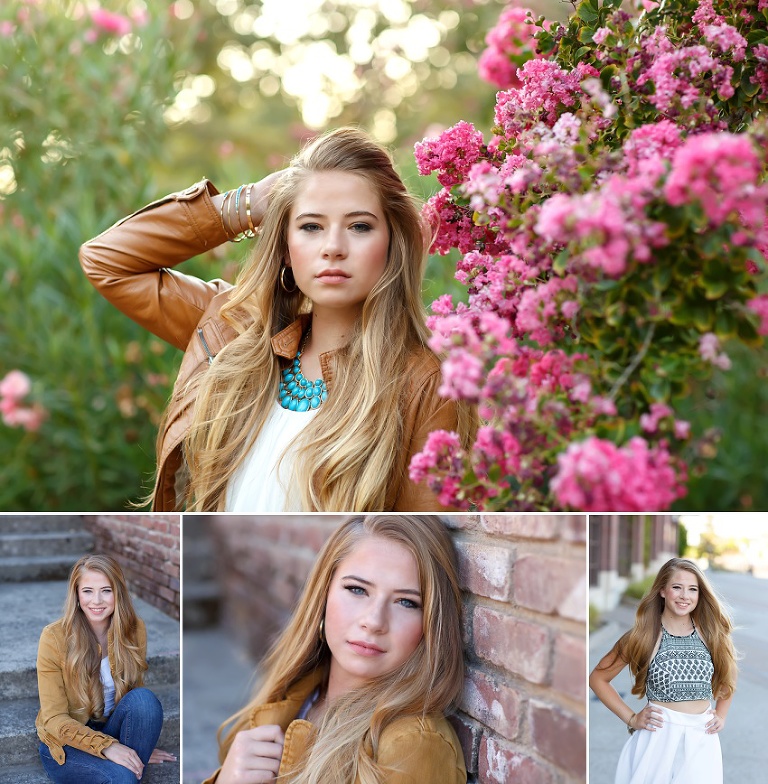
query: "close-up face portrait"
373, 615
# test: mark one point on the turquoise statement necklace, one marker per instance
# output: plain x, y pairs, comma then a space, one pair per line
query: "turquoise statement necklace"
298, 393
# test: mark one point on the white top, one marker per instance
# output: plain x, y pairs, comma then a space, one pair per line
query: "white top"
258, 484
109, 687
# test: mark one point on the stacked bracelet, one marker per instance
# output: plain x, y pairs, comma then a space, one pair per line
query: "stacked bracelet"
228, 221
630, 728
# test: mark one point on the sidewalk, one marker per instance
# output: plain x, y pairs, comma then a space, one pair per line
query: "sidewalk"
607, 734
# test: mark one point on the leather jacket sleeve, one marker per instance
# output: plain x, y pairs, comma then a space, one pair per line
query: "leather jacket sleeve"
54, 721
129, 263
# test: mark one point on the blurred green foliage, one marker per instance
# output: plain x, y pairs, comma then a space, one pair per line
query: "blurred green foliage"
93, 125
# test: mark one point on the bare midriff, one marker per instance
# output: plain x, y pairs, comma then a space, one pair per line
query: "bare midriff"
685, 706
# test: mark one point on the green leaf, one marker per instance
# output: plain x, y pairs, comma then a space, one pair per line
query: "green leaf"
748, 334
560, 263
725, 324
586, 13
662, 275
749, 88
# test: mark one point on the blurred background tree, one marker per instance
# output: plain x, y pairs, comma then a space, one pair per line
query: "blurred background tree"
104, 107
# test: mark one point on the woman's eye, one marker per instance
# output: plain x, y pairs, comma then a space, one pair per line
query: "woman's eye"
355, 589
361, 228
409, 603
309, 227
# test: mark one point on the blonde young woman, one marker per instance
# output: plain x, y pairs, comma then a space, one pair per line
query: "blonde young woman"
97, 724
356, 688
308, 385
681, 657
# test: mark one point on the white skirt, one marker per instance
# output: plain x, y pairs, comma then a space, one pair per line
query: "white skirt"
680, 752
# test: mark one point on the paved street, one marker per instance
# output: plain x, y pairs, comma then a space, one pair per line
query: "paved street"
745, 750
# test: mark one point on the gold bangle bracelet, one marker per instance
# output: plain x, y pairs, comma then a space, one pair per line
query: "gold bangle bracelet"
251, 227
221, 211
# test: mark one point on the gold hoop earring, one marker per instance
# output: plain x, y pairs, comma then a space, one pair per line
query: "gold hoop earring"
285, 288
322, 630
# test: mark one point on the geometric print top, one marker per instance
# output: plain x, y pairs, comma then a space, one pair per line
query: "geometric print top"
681, 670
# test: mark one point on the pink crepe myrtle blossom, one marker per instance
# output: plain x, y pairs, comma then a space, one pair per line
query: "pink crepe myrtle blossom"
720, 171
110, 23
440, 464
15, 386
595, 475
451, 154
727, 38
759, 305
512, 37
709, 349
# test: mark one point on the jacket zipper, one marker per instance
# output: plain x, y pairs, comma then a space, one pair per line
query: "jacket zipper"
205, 345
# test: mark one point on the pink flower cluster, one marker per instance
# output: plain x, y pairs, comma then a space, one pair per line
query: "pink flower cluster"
607, 226
451, 154
727, 39
107, 23
14, 387
759, 305
440, 464
681, 77
546, 91
511, 38
720, 171
709, 349
595, 475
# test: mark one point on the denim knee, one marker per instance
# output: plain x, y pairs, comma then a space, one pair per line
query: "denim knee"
145, 701
120, 775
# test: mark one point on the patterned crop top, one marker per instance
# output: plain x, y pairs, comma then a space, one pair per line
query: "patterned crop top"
681, 670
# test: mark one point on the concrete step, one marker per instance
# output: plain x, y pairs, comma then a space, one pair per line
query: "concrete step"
26, 608
167, 773
39, 523
36, 568
19, 741
202, 603
58, 543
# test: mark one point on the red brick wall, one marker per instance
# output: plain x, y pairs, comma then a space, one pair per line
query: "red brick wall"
522, 717
147, 548
263, 562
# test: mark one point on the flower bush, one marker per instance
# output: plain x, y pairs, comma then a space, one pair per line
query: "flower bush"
83, 92
614, 230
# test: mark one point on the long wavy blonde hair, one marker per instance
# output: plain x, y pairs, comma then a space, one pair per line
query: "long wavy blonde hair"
352, 452
429, 682
82, 662
709, 616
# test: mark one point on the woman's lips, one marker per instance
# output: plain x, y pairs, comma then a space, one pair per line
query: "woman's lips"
365, 648
333, 276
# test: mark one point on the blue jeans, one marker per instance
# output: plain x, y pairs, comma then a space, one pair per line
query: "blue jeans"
136, 721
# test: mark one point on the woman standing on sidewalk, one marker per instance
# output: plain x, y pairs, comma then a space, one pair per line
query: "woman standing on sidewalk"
308, 385
97, 724
357, 686
681, 656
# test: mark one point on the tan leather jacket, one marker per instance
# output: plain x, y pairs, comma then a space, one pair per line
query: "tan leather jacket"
60, 722
419, 750
130, 264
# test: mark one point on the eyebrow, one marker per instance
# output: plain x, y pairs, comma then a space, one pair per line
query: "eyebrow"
368, 582
354, 214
